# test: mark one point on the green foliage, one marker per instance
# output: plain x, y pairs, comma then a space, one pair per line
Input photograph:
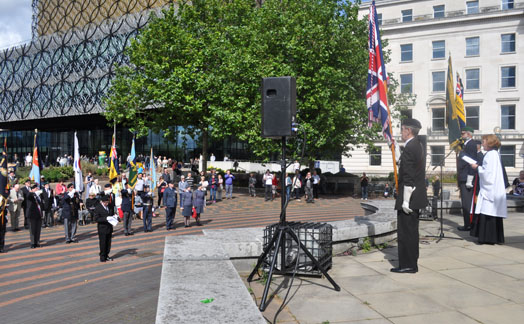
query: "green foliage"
55, 174
366, 245
88, 167
201, 67
104, 171
22, 172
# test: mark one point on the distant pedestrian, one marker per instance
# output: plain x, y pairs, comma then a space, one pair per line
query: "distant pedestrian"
199, 199
229, 184
220, 187
364, 181
316, 184
268, 185
170, 201
186, 204
252, 181
308, 184
297, 184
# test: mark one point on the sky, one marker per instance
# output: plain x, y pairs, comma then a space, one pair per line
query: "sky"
15, 22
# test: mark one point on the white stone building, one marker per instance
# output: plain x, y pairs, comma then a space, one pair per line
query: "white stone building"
485, 39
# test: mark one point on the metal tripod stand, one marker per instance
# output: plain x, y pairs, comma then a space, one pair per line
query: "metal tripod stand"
278, 242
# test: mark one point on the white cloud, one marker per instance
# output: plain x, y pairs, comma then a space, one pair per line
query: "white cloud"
15, 22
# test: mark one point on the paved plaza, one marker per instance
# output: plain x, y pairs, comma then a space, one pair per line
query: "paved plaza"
458, 281
66, 283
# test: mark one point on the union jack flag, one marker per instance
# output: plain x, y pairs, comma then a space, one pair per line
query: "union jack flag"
376, 95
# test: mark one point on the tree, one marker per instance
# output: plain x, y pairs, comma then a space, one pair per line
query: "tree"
200, 66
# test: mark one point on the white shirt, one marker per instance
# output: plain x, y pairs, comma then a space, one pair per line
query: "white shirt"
212, 158
492, 194
268, 178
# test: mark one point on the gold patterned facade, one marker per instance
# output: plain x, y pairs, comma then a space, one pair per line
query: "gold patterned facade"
55, 16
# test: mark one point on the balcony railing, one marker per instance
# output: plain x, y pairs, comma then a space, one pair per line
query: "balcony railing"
451, 14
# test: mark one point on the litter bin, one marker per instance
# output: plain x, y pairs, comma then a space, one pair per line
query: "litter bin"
446, 194
101, 158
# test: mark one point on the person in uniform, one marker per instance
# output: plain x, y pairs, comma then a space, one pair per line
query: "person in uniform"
411, 197
3, 223
147, 208
466, 175
186, 204
70, 205
47, 199
170, 201
127, 209
199, 201
105, 229
16, 198
26, 189
34, 210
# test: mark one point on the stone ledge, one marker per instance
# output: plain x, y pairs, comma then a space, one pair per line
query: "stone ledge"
197, 268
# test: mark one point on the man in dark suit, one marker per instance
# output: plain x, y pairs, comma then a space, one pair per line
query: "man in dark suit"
47, 200
34, 209
70, 205
170, 201
411, 197
26, 189
105, 229
466, 175
127, 208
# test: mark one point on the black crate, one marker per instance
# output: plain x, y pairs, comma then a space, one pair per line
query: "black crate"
316, 237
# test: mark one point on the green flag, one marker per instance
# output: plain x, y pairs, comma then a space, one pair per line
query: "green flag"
133, 173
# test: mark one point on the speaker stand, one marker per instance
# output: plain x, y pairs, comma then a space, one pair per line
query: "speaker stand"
278, 242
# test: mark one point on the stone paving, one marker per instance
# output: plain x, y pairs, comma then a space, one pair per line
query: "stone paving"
65, 283
458, 281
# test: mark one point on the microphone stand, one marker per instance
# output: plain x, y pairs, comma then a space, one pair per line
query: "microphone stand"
441, 234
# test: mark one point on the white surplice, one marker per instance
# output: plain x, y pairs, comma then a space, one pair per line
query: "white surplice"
492, 194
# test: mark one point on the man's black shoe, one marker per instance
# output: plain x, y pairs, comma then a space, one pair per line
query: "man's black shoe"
1, 250
404, 270
33, 246
37, 245
109, 259
102, 260
67, 242
464, 228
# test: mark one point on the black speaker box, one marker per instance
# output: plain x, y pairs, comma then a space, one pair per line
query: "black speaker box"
279, 106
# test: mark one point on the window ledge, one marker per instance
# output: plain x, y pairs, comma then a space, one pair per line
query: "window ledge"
438, 59
508, 89
508, 53
468, 56
402, 62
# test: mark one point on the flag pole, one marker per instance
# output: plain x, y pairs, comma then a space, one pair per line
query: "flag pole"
393, 153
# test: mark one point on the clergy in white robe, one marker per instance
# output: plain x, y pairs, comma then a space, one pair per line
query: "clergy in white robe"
491, 202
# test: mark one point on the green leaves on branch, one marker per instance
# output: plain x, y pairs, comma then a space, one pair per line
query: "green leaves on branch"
201, 65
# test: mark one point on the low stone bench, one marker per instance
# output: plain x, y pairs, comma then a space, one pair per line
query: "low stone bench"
196, 268
516, 202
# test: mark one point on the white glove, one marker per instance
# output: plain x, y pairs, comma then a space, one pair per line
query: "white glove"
469, 181
407, 197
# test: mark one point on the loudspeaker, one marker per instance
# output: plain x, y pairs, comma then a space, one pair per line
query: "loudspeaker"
279, 106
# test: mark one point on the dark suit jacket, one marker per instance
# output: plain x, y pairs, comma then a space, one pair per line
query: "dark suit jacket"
32, 207
126, 201
412, 173
70, 206
464, 168
25, 193
104, 227
47, 200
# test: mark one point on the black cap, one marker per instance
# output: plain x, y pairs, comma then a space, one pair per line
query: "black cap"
104, 198
410, 122
107, 185
467, 129
146, 186
34, 186
27, 180
70, 185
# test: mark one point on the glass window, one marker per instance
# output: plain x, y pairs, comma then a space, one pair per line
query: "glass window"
439, 81
438, 119
407, 15
439, 49
507, 43
406, 114
472, 7
472, 46
473, 79
472, 117
406, 52
406, 83
507, 4
507, 77
379, 18
437, 155
375, 156
439, 11
507, 117
507, 154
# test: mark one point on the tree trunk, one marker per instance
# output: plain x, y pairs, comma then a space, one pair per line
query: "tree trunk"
205, 139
